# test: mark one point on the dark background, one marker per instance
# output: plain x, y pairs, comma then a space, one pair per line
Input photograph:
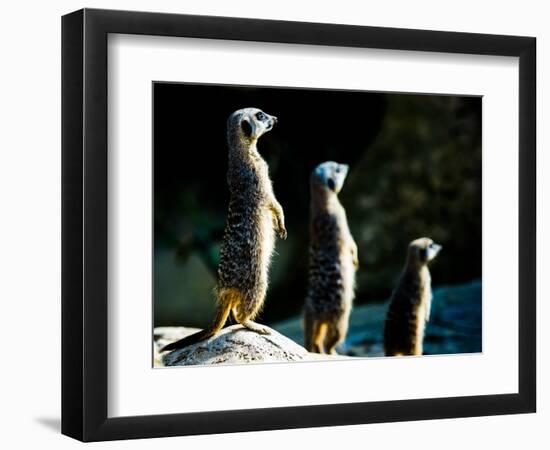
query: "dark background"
415, 170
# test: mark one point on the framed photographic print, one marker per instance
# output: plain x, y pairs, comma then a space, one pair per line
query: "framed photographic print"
273, 224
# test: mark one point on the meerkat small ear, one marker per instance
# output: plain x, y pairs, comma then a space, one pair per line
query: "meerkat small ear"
246, 127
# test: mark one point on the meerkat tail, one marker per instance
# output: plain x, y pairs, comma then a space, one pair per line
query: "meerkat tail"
219, 322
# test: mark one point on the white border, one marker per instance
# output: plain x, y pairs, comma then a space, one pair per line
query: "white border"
136, 389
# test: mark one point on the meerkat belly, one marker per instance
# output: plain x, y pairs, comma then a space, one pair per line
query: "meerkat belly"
348, 270
266, 241
331, 271
423, 312
417, 329
328, 295
246, 250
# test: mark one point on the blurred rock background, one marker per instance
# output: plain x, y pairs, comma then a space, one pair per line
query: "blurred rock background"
415, 170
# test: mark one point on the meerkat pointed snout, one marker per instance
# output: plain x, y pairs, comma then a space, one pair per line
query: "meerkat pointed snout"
332, 262
410, 303
254, 216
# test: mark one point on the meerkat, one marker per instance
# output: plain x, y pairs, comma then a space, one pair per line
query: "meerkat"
333, 262
254, 216
410, 303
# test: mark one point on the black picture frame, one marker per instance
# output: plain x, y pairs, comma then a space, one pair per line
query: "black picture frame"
84, 224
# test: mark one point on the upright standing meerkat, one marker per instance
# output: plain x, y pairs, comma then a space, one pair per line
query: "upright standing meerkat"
253, 217
332, 262
410, 303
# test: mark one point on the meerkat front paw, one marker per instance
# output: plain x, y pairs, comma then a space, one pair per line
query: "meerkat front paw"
355, 257
282, 231
278, 220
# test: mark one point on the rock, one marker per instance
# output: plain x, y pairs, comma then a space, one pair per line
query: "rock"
165, 335
232, 345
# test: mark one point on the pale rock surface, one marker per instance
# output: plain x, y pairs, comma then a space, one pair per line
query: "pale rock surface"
232, 345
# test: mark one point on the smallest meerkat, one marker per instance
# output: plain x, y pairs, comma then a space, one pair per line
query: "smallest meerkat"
410, 303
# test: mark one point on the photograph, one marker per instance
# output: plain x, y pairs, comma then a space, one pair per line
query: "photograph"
299, 224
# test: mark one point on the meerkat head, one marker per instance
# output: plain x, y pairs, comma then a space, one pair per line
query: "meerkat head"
423, 250
330, 175
249, 124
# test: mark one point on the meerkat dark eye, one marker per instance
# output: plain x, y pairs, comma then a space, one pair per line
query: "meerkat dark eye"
261, 116
337, 169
